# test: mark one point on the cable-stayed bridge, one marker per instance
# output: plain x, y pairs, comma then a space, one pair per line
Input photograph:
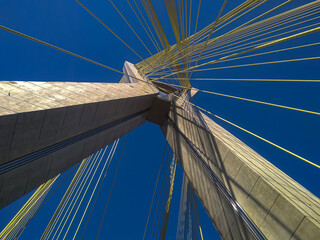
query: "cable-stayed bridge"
50, 127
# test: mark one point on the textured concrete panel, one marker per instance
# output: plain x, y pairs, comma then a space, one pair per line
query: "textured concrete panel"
13, 184
71, 121
7, 126
306, 230
233, 163
88, 113
244, 183
38, 172
262, 197
282, 220
51, 126
26, 132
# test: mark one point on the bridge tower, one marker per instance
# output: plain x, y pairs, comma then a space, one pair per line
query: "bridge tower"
47, 127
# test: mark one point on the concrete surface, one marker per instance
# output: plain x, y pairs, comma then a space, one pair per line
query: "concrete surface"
279, 206
37, 115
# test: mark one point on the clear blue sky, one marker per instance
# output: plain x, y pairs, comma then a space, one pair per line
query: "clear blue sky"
67, 25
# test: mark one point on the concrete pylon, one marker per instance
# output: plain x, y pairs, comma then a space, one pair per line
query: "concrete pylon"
245, 196
47, 127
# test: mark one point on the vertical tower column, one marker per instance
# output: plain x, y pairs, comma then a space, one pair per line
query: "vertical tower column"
245, 196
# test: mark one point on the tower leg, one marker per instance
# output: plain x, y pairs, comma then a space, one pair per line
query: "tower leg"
47, 127
245, 196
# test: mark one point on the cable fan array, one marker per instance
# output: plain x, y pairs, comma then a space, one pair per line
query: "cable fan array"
77, 204
16, 226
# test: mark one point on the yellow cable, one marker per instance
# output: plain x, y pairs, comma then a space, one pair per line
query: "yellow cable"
53, 221
172, 12
205, 56
211, 31
294, 19
26, 209
310, 31
265, 140
270, 22
93, 191
227, 17
64, 51
162, 189
224, 59
257, 136
155, 23
93, 167
57, 48
62, 212
264, 53
200, 232
228, 43
258, 64
154, 192
261, 102
22, 212
137, 16
92, 14
130, 26
112, 185
168, 205
99, 160
251, 80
